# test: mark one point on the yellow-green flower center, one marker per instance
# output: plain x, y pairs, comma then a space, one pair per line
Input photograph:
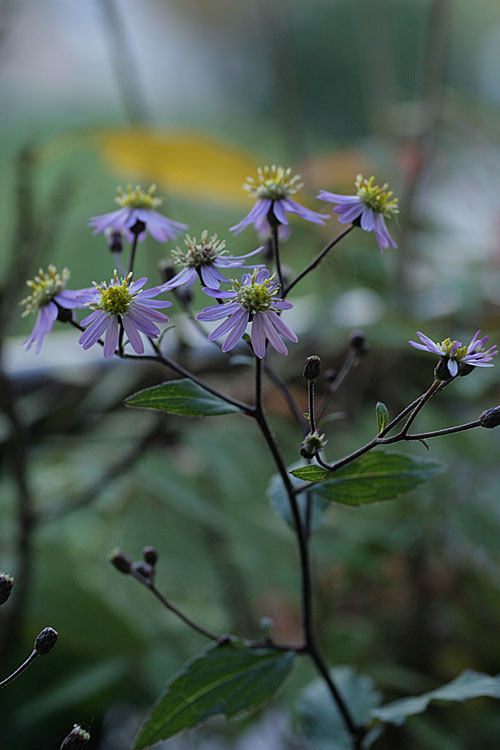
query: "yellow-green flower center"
115, 298
256, 297
201, 253
138, 198
44, 288
379, 198
446, 348
273, 183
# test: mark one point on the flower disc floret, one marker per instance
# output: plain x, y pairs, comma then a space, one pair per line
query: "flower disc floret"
273, 182
116, 298
256, 297
200, 253
138, 198
44, 287
375, 197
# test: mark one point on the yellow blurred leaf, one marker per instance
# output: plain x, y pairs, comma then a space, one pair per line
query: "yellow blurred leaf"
189, 164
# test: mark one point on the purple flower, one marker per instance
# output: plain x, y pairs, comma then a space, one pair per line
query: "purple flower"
455, 354
124, 302
254, 300
204, 258
371, 206
49, 297
138, 206
273, 189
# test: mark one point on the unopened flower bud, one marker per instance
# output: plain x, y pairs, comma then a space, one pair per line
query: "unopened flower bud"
76, 739
6, 584
150, 555
358, 342
312, 444
144, 569
114, 238
45, 641
121, 561
464, 369
64, 315
312, 368
491, 417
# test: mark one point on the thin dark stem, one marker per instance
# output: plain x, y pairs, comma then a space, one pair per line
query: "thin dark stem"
423, 400
310, 397
317, 260
132, 252
168, 605
24, 666
310, 645
434, 433
276, 250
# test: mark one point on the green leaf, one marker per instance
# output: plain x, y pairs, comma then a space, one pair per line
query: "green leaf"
181, 397
227, 678
377, 476
321, 720
382, 415
311, 473
279, 501
468, 685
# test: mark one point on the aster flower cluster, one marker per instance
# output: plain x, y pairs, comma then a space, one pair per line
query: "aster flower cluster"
457, 357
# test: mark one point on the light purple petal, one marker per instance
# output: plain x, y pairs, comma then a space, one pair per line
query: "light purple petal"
452, 367
218, 293
227, 324
273, 336
282, 304
257, 335
133, 334
111, 337
117, 219
95, 330
282, 327
216, 312
148, 312
367, 220
237, 332
263, 274
261, 208
431, 345
348, 213
279, 211
324, 195
186, 276
211, 277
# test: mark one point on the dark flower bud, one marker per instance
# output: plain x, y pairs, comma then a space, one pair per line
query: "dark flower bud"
167, 270
441, 371
144, 569
76, 739
138, 228
150, 555
114, 238
45, 641
312, 444
358, 342
121, 561
185, 296
464, 369
6, 584
330, 375
491, 417
312, 368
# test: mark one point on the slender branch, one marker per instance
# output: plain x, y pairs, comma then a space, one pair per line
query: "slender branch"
24, 666
423, 400
317, 260
434, 433
310, 645
310, 398
276, 247
133, 248
168, 605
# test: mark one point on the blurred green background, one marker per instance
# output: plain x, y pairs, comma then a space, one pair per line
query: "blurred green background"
193, 95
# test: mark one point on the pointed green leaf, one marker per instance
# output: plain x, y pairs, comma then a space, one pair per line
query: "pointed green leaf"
382, 415
225, 679
377, 476
311, 473
279, 501
321, 720
181, 397
468, 685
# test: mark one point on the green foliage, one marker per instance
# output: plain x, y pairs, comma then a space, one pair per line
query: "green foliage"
181, 397
227, 678
374, 477
382, 413
320, 718
468, 685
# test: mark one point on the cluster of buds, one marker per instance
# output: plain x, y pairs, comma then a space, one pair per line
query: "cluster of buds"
144, 569
312, 444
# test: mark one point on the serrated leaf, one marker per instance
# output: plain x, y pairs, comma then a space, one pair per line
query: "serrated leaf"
321, 720
382, 413
181, 397
279, 501
311, 473
467, 685
377, 476
226, 679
